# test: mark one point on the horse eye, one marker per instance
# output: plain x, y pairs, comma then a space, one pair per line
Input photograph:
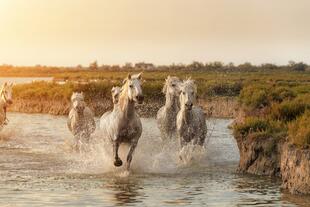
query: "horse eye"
183, 93
173, 85
130, 86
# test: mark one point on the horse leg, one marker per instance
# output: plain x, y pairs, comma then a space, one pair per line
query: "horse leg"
182, 142
130, 153
117, 161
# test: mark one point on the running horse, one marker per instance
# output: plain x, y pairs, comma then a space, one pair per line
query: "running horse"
81, 121
191, 121
166, 115
123, 125
5, 101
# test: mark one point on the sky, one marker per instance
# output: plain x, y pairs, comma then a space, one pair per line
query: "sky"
72, 32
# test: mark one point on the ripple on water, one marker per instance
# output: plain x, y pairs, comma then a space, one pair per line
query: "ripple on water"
38, 168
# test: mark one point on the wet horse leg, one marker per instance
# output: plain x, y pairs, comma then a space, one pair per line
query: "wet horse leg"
130, 153
117, 161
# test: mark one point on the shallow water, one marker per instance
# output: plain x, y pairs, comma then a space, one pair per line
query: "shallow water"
19, 80
38, 168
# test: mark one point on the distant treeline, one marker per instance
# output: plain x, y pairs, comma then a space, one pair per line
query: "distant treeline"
194, 66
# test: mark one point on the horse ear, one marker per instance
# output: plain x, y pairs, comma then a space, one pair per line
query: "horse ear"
128, 76
113, 88
5, 84
139, 75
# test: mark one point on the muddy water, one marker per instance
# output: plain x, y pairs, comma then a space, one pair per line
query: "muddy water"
38, 168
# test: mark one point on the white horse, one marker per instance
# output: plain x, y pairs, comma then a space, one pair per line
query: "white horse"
5, 101
191, 121
81, 121
123, 124
115, 92
166, 115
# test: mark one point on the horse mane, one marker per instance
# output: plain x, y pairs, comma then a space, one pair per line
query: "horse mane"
123, 95
3, 87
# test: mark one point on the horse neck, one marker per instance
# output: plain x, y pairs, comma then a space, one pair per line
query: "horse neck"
186, 115
127, 106
171, 102
78, 116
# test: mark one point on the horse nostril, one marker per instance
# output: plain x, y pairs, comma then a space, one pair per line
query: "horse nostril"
140, 98
189, 105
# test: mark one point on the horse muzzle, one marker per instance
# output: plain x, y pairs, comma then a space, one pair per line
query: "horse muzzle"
140, 99
189, 106
80, 109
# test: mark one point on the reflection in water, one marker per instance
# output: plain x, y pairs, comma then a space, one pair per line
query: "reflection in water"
37, 168
300, 200
124, 191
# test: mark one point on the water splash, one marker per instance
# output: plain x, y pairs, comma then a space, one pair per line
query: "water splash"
152, 155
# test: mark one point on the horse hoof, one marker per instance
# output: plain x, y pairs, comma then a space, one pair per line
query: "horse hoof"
118, 163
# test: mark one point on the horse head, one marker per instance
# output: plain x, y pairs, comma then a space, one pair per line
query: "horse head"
132, 87
78, 102
188, 94
6, 93
172, 86
115, 94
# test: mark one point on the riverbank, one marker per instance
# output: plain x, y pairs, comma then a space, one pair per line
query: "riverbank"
273, 133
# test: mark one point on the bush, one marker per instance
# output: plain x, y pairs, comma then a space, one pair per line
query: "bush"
287, 111
222, 89
299, 130
259, 128
254, 97
280, 94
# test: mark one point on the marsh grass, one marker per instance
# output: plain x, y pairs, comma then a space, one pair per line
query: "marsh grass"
275, 110
299, 130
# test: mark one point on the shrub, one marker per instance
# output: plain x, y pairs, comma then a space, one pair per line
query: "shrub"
259, 128
222, 89
299, 130
289, 110
280, 94
254, 96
